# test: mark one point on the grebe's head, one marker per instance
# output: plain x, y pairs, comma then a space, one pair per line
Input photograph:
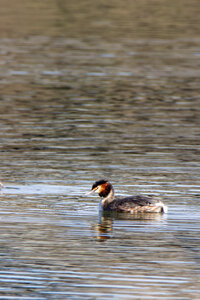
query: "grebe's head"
102, 187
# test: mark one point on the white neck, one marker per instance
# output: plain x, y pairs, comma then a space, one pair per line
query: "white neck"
109, 198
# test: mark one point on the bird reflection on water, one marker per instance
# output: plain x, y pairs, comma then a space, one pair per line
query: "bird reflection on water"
104, 228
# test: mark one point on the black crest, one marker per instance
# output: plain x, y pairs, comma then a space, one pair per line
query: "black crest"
97, 183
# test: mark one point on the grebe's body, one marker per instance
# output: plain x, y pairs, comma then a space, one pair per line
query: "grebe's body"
131, 204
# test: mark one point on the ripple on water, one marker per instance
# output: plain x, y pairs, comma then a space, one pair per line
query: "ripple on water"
74, 110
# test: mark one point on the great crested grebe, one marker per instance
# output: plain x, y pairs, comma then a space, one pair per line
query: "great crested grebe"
130, 204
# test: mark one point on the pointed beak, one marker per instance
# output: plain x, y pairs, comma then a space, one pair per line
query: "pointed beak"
91, 192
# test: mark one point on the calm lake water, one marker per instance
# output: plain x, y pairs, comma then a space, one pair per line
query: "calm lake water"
92, 91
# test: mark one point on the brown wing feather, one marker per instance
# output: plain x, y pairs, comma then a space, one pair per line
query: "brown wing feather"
131, 203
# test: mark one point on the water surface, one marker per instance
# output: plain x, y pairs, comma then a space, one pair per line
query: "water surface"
81, 101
